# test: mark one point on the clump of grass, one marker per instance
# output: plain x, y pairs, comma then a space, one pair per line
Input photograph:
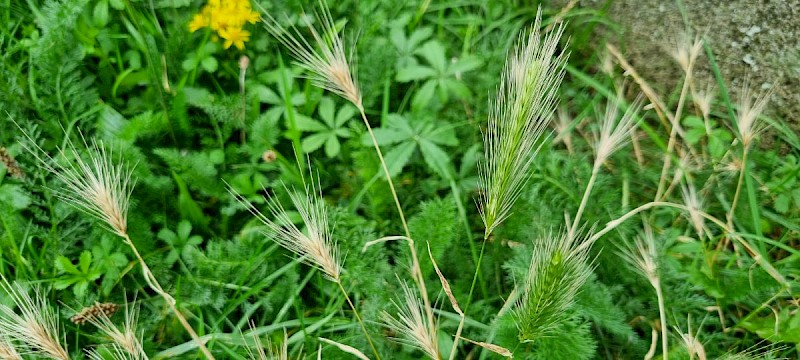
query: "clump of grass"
330, 69
748, 127
36, 326
315, 246
102, 188
558, 268
258, 352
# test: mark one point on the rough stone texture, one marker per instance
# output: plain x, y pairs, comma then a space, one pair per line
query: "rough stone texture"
755, 39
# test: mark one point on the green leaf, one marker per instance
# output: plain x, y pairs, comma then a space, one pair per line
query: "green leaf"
15, 196
305, 123
100, 14
423, 96
209, 64
433, 52
64, 265
782, 204
85, 261
465, 64
118, 4
327, 112
187, 207
184, 229
415, 72
314, 142
344, 115
332, 147
398, 157
437, 159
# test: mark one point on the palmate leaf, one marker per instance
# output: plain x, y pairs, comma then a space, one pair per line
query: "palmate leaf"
328, 131
422, 134
441, 77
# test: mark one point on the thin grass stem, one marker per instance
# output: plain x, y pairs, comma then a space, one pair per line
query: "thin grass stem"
360, 322
152, 282
738, 189
582, 207
415, 268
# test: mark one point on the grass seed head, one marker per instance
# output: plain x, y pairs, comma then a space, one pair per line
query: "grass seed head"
36, 325
614, 133
125, 337
557, 271
642, 256
97, 185
518, 118
315, 245
325, 59
7, 349
750, 108
413, 324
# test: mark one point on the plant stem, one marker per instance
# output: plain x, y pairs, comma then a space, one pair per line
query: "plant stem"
454, 350
582, 207
475, 275
152, 282
415, 268
360, 322
468, 231
662, 314
674, 131
738, 189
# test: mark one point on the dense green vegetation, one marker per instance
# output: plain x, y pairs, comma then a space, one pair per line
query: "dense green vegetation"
646, 225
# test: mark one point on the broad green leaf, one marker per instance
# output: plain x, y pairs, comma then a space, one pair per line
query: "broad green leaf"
398, 157
437, 159
184, 229
305, 123
384, 137
15, 196
332, 146
415, 72
465, 64
327, 111
314, 141
64, 265
209, 64
85, 261
433, 52
100, 14
423, 96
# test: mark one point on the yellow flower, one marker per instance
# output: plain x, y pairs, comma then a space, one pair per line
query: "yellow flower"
226, 18
199, 21
234, 36
253, 17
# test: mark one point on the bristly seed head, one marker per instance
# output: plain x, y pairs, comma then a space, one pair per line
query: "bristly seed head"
614, 134
97, 186
518, 117
558, 269
37, 324
750, 108
642, 256
413, 324
315, 246
328, 64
